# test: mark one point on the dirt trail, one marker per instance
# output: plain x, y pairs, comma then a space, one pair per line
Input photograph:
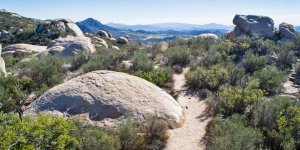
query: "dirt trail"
190, 135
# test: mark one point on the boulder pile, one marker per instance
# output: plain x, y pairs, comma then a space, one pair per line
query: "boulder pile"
260, 26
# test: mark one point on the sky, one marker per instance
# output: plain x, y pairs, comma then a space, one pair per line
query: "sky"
156, 11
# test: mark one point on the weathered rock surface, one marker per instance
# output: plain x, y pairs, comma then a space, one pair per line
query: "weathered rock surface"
2, 64
49, 27
70, 46
255, 25
260, 26
102, 33
106, 95
22, 48
209, 36
122, 40
115, 47
286, 31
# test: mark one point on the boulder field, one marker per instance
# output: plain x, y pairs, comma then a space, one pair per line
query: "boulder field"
103, 96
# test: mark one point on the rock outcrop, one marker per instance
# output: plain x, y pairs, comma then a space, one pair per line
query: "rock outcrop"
108, 96
2, 64
286, 31
50, 27
122, 40
70, 46
209, 36
260, 26
102, 33
22, 49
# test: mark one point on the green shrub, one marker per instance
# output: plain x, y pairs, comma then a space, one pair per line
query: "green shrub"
265, 116
254, 62
78, 60
158, 77
233, 134
270, 79
289, 127
46, 71
156, 135
210, 79
41, 133
178, 56
142, 62
286, 59
230, 100
129, 136
93, 137
103, 59
13, 90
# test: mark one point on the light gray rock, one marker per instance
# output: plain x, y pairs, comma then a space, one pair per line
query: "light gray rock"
102, 33
115, 47
22, 49
5, 35
2, 64
108, 95
49, 27
209, 36
122, 40
286, 31
70, 46
252, 25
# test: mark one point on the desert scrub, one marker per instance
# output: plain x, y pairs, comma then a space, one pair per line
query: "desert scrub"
232, 133
178, 56
102, 59
13, 89
158, 77
45, 71
141, 62
211, 79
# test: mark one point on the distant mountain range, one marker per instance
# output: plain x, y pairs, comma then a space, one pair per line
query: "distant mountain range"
153, 32
171, 26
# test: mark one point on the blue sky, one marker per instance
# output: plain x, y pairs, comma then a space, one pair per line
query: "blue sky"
156, 11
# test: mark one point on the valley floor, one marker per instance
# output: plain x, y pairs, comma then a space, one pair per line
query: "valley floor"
191, 135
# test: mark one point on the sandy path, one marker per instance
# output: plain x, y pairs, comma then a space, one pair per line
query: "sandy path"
190, 135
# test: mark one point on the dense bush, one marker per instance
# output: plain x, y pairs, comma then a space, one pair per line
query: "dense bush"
178, 56
270, 79
254, 62
129, 135
289, 127
41, 133
211, 79
12, 91
230, 100
102, 59
233, 134
265, 117
141, 62
93, 137
46, 71
158, 77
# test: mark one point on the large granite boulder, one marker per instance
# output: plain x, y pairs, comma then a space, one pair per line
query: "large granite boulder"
51, 27
255, 25
103, 96
102, 33
70, 46
2, 64
22, 49
122, 40
208, 36
286, 31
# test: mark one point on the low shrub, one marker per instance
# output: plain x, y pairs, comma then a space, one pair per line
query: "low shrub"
178, 56
211, 79
158, 77
233, 133
270, 79
156, 134
254, 62
141, 62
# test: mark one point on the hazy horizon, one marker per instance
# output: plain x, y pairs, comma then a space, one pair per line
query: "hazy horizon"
141, 12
